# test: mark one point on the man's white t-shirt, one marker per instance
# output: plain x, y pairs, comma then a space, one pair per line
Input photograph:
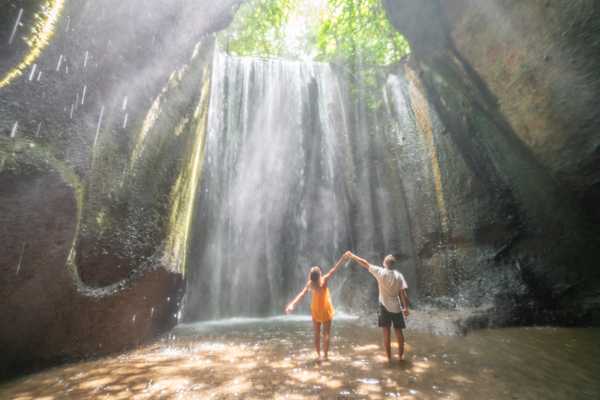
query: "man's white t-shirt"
390, 282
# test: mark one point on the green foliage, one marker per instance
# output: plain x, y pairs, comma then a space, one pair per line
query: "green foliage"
258, 28
355, 35
359, 31
355, 32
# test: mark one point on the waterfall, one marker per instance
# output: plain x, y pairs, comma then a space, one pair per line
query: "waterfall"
281, 189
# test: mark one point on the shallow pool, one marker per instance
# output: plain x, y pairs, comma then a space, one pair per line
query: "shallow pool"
274, 358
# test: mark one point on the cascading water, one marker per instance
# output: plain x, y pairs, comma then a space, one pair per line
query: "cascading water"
285, 185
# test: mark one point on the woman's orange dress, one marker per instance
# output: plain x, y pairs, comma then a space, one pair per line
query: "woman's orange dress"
321, 307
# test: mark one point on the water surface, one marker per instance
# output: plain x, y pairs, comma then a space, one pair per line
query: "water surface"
273, 358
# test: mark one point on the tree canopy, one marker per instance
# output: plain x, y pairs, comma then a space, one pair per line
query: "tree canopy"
258, 28
351, 31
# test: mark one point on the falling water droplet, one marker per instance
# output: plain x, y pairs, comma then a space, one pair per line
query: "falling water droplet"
68, 23
151, 312
98, 125
21, 257
39, 76
39, 128
67, 69
124, 107
83, 94
59, 63
125, 120
85, 58
72, 109
32, 74
168, 299
13, 132
14, 31
133, 319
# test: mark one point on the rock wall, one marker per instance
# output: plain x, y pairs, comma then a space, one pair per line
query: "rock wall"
512, 83
98, 143
540, 60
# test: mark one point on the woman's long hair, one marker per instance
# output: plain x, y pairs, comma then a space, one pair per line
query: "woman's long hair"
315, 277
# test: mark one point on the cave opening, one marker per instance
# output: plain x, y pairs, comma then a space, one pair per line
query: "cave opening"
171, 170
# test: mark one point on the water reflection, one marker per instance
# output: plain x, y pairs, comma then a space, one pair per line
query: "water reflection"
256, 359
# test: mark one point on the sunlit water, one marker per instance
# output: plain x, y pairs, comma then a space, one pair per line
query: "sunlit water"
290, 180
273, 358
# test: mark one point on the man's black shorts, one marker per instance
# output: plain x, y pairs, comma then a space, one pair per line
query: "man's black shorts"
386, 318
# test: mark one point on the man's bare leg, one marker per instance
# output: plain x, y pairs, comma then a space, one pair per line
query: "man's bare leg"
326, 332
317, 329
387, 343
400, 338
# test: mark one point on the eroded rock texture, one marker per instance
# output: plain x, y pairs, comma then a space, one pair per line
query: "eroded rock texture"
513, 84
95, 176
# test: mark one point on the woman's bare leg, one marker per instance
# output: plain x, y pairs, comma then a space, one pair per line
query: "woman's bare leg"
326, 332
317, 329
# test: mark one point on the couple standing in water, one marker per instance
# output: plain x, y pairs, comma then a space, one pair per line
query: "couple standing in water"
393, 301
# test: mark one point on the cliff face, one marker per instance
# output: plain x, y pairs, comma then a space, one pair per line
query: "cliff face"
95, 154
49, 315
513, 84
540, 60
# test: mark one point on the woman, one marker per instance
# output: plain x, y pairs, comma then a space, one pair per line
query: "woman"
321, 308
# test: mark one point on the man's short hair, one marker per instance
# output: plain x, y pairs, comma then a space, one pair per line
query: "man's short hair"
389, 260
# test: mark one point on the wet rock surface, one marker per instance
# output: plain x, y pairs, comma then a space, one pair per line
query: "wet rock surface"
48, 314
496, 96
91, 247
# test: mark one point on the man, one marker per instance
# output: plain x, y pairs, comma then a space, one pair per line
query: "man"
393, 301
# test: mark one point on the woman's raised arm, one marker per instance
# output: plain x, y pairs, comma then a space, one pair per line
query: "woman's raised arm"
345, 257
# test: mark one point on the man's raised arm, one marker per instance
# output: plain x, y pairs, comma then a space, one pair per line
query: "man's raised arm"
361, 261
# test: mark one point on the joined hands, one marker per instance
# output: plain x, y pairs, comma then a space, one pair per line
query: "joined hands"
348, 256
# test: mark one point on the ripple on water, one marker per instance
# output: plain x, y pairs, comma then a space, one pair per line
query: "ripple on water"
274, 358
